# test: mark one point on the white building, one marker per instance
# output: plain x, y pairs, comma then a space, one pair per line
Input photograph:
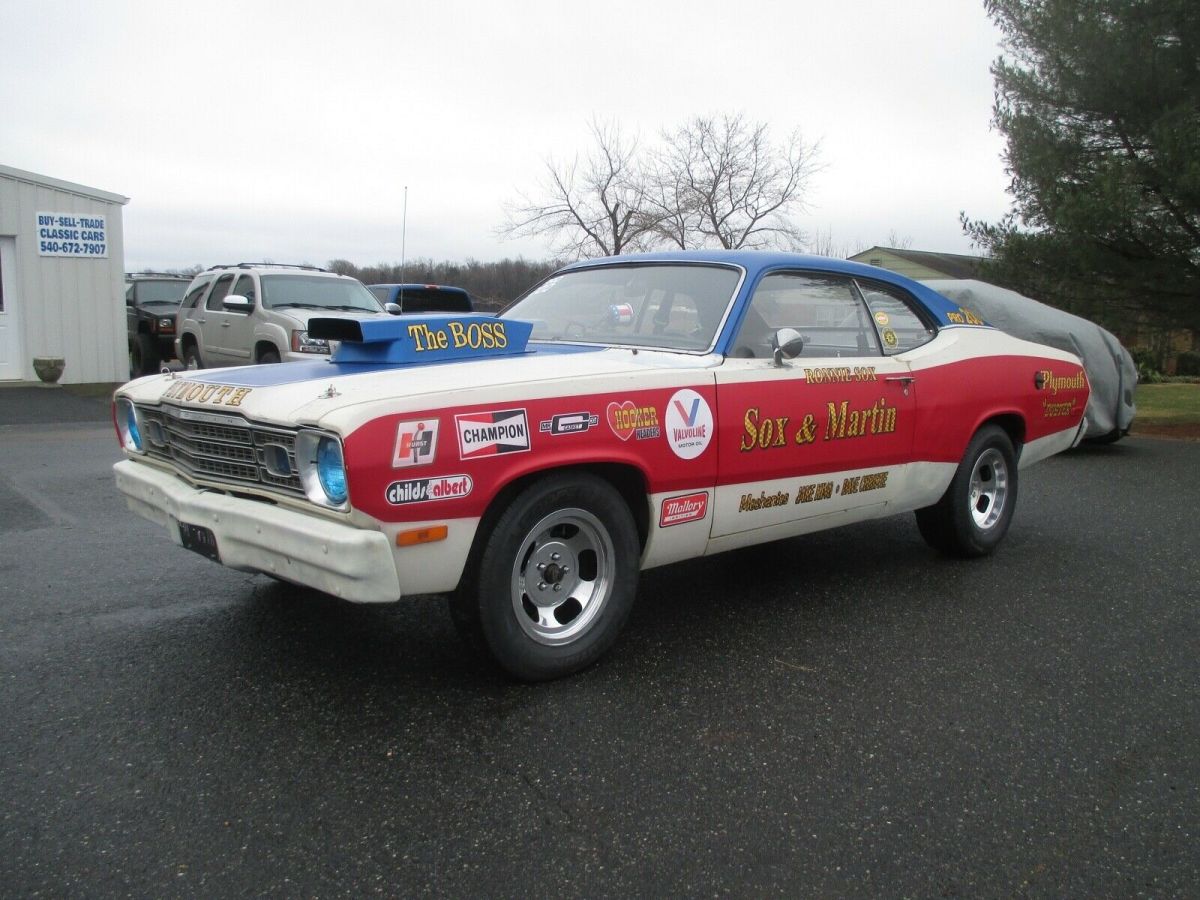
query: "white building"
62, 279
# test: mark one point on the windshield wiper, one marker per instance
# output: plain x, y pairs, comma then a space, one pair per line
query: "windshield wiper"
293, 303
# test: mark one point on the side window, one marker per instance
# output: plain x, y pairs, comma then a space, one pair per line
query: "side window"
900, 328
825, 310
129, 294
245, 287
194, 295
220, 289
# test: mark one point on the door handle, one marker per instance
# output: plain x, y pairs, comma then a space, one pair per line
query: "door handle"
904, 381
224, 324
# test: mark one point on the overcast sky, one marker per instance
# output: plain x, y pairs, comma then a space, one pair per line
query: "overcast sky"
288, 131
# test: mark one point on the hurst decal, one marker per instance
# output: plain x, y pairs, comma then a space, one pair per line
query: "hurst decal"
420, 490
492, 433
627, 419
689, 508
416, 443
689, 424
844, 422
569, 423
212, 394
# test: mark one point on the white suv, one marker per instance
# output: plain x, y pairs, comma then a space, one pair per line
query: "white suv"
259, 312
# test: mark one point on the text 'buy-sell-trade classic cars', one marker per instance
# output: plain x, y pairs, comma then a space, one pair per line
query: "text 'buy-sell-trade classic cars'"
623, 414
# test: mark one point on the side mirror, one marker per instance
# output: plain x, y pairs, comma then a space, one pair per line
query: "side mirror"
237, 303
393, 308
787, 344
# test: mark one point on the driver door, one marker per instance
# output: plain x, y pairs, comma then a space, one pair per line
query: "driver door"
828, 432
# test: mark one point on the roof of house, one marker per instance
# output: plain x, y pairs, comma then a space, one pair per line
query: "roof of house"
952, 265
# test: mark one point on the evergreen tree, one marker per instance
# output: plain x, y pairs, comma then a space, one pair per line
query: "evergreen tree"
1100, 104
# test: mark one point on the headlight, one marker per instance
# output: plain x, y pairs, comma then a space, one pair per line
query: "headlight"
322, 469
128, 427
166, 324
302, 343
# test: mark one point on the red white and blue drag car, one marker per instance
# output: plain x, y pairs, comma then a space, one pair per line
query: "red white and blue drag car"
623, 414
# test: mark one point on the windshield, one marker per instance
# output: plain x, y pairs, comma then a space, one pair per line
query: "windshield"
161, 291
674, 306
317, 292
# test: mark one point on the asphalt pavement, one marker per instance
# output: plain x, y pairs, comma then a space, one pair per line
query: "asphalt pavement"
845, 714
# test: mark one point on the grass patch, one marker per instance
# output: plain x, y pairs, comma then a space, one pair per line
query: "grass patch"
1168, 404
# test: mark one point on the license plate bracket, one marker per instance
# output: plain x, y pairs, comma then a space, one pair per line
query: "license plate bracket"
200, 540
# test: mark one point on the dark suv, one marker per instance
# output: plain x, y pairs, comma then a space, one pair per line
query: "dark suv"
151, 301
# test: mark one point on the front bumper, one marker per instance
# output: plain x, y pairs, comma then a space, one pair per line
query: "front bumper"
339, 559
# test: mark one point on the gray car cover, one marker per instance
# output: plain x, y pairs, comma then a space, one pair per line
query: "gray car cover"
1110, 368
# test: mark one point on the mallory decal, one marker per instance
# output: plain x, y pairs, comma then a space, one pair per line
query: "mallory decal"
492, 433
416, 443
689, 424
688, 508
569, 423
420, 490
627, 419
213, 394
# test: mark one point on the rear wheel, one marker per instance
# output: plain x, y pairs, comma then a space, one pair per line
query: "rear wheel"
553, 583
143, 356
191, 358
974, 514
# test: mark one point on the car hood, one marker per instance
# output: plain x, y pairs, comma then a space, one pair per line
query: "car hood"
338, 396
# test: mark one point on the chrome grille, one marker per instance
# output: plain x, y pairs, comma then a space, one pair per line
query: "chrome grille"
233, 451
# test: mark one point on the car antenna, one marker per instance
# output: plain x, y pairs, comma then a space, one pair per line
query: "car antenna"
403, 236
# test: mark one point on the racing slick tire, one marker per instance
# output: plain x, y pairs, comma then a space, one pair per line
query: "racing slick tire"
143, 356
191, 358
549, 588
974, 514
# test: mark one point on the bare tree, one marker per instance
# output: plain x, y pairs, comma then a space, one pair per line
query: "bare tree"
596, 207
723, 182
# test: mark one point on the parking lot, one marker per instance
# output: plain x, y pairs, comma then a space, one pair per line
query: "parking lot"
842, 714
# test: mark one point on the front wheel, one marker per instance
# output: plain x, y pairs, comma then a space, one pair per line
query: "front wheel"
268, 357
553, 583
974, 514
191, 358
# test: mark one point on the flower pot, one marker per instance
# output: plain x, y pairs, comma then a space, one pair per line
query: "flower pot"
49, 368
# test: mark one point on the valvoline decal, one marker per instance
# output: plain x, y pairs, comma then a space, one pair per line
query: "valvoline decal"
407, 340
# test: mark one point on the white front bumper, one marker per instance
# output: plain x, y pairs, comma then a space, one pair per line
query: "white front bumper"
336, 558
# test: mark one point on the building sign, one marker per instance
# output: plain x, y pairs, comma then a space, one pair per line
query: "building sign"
71, 234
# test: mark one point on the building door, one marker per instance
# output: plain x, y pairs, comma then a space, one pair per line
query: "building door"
12, 359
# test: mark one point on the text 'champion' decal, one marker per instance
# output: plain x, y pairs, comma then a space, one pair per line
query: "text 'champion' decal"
492, 433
